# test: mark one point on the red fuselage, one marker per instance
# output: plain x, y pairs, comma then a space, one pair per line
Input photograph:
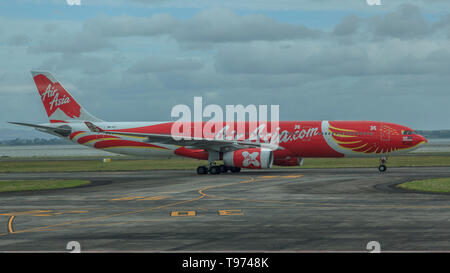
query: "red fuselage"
297, 139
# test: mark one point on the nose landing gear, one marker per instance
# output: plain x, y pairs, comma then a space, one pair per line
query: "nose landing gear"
382, 168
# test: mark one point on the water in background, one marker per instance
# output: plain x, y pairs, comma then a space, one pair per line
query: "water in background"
437, 145
50, 151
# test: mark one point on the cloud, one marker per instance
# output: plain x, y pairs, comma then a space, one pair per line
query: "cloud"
223, 25
304, 58
150, 1
156, 64
351, 67
86, 63
332, 59
18, 40
348, 25
431, 6
407, 22
208, 26
77, 42
125, 26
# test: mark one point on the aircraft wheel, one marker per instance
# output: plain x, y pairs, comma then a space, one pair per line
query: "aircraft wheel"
382, 168
223, 168
214, 170
202, 170
235, 169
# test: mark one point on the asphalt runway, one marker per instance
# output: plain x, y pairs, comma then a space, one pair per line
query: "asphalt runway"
270, 210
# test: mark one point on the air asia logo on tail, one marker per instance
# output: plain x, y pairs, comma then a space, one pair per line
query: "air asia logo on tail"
52, 92
54, 97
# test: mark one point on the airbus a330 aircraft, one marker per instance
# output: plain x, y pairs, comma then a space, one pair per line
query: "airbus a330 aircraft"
296, 139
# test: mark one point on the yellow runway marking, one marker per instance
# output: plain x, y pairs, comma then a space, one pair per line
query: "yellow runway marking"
280, 176
323, 205
152, 198
74, 211
31, 212
292, 176
201, 191
128, 198
38, 213
41, 213
43, 228
107, 224
230, 212
203, 194
141, 198
326, 205
10, 224
183, 213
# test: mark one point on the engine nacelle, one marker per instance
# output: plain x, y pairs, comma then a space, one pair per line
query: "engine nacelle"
294, 161
253, 158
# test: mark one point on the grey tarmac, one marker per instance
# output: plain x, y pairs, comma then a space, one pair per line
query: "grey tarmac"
266, 210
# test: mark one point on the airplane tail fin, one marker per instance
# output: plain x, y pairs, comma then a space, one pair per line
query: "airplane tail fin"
59, 104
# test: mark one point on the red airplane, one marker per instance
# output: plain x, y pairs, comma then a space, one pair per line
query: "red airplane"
295, 140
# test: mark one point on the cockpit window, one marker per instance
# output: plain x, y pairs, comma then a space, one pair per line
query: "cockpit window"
409, 132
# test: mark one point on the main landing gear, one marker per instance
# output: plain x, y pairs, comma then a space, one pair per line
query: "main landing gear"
212, 168
382, 168
217, 169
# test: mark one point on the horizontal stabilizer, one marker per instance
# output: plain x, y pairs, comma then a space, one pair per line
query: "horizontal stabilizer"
62, 130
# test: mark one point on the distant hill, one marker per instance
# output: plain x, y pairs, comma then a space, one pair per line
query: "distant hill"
434, 133
35, 141
23, 133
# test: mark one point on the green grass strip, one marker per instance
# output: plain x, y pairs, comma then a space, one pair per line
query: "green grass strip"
441, 185
191, 164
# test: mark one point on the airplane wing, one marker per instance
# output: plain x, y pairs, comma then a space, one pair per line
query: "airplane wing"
219, 145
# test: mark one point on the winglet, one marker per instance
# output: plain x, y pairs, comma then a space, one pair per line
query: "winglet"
93, 127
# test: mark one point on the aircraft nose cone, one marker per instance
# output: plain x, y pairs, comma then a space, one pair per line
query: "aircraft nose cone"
422, 140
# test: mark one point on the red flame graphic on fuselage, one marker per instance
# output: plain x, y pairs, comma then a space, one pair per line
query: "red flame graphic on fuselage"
54, 96
363, 140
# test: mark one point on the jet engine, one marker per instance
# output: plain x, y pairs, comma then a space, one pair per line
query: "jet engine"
253, 158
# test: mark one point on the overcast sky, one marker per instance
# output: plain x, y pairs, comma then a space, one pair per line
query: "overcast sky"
318, 59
